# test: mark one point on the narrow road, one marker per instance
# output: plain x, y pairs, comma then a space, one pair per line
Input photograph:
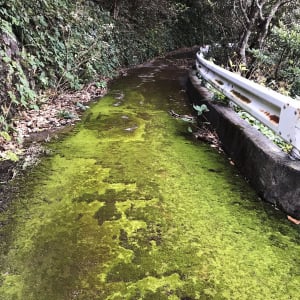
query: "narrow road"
128, 206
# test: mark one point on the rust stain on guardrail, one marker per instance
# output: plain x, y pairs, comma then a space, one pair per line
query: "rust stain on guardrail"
240, 96
273, 118
220, 82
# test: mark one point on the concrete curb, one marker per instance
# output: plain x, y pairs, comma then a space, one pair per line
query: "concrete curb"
271, 172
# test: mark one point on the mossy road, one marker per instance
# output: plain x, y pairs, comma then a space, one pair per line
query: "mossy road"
128, 206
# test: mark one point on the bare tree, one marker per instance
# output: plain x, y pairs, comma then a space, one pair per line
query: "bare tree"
256, 17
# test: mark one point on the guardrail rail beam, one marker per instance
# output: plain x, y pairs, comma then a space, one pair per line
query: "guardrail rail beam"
278, 112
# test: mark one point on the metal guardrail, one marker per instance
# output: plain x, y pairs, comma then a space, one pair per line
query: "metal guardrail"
278, 112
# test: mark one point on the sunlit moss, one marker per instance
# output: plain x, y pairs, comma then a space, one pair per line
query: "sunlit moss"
142, 214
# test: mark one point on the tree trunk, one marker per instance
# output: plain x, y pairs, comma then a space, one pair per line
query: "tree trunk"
244, 44
266, 23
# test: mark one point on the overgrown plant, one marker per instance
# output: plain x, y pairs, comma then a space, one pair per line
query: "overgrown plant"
193, 120
286, 147
64, 44
279, 69
200, 120
15, 89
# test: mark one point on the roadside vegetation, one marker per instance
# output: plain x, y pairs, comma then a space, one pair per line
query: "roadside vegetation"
60, 54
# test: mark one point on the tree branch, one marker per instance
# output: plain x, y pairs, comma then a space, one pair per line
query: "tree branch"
260, 6
244, 11
268, 20
237, 15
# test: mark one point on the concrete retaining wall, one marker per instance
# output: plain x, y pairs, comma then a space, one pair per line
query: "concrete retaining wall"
271, 172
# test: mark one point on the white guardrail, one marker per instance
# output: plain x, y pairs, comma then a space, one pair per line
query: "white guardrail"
278, 112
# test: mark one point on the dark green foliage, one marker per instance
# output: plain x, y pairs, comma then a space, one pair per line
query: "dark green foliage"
51, 44
15, 88
63, 44
69, 40
277, 65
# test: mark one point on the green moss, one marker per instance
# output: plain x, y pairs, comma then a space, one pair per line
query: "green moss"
145, 214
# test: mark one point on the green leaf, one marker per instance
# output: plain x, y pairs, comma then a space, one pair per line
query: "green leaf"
9, 155
5, 135
12, 97
101, 84
200, 109
34, 106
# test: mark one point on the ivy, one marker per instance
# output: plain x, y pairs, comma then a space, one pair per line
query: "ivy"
15, 88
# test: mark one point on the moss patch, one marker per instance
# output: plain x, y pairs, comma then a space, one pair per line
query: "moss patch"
143, 213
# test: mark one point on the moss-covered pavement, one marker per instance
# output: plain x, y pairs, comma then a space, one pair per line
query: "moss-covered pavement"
128, 206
